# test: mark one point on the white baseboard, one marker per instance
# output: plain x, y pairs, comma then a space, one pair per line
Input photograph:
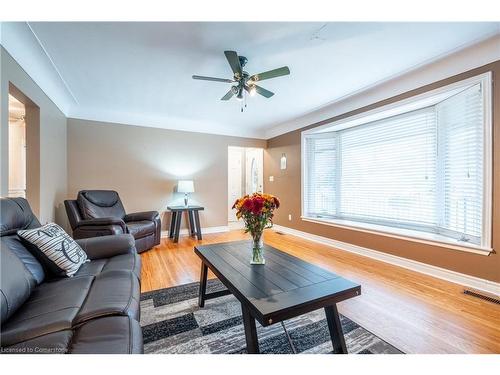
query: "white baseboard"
427, 269
208, 230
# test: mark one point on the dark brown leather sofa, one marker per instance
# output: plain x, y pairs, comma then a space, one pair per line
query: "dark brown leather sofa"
95, 311
100, 213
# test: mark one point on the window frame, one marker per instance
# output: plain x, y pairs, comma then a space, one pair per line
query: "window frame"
416, 102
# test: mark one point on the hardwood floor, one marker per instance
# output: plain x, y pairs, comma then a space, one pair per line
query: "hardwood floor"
414, 312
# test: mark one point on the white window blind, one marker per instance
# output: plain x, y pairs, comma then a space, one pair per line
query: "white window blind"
320, 182
422, 170
388, 170
460, 121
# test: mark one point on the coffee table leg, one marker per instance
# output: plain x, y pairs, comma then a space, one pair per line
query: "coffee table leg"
203, 284
250, 331
172, 225
335, 328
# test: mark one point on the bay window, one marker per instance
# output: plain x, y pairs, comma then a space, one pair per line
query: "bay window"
419, 168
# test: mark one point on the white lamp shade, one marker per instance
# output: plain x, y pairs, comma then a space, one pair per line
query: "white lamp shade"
185, 186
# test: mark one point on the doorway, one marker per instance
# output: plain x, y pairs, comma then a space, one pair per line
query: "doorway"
23, 154
245, 174
17, 148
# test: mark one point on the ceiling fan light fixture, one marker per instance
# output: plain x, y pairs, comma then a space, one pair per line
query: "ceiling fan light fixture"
252, 91
240, 94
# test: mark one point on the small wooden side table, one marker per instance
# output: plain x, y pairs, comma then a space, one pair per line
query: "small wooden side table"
193, 217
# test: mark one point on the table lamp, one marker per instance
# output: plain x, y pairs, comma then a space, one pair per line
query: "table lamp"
186, 187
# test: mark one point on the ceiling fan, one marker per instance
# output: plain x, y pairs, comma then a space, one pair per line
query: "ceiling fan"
242, 80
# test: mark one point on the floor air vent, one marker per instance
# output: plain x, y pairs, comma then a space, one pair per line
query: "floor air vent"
482, 295
280, 233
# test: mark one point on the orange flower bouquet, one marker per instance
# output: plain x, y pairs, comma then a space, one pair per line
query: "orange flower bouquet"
257, 213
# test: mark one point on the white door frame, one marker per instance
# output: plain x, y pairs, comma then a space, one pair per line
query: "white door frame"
239, 166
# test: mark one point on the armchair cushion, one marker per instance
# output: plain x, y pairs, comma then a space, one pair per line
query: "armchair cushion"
100, 203
142, 216
108, 246
140, 229
102, 221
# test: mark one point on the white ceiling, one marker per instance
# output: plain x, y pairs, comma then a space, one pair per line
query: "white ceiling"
140, 73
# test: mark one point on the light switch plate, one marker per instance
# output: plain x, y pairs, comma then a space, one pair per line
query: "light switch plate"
271, 178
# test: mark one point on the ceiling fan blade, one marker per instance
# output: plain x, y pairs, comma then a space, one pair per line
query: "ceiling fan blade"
229, 95
283, 71
234, 61
203, 78
262, 91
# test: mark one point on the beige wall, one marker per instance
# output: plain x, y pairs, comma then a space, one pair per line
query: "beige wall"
287, 185
52, 140
143, 165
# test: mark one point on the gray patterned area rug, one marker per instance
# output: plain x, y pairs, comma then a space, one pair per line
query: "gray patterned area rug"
173, 323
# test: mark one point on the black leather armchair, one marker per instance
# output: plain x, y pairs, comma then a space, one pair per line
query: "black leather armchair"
100, 213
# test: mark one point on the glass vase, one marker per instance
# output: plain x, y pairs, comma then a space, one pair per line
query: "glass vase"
257, 250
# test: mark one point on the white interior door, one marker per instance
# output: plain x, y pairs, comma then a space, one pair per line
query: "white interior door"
235, 177
254, 170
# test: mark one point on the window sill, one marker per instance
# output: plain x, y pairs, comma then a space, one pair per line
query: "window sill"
403, 234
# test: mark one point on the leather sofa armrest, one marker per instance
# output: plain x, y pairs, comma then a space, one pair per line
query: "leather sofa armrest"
101, 222
107, 246
140, 216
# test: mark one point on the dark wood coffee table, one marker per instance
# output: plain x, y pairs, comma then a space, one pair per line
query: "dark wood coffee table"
283, 288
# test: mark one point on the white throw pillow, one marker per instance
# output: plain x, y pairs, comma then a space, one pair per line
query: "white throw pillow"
57, 246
